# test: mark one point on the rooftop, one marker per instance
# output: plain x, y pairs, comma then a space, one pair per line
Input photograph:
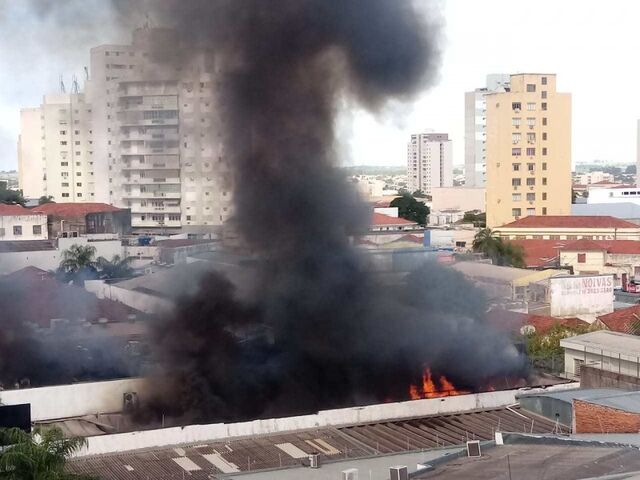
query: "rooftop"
514, 321
622, 210
74, 209
628, 401
569, 221
604, 340
623, 320
7, 210
487, 271
181, 242
290, 449
380, 219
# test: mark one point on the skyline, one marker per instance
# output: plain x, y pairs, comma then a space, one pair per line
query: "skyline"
522, 39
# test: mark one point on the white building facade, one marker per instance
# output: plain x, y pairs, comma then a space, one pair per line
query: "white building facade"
620, 194
475, 123
55, 149
19, 223
429, 162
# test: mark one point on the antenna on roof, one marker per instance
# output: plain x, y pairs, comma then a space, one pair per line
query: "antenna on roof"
86, 73
75, 87
62, 87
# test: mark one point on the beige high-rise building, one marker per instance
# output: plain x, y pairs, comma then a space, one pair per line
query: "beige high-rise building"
528, 150
55, 149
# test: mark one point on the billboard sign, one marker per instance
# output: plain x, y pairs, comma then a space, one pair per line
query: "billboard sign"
581, 295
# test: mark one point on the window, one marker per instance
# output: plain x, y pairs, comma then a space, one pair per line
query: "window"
516, 212
531, 167
531, 182
516, 182
531, 106
64, 164
531, 87
516, 167
531, 151
544, 180
516, 152
516, 197
531, 211
544, 135
78, 195
78, 184
515, 138
544, 212
63, 142
65, 184
531, 137
531, 197
582, 258
544, 150
543, 80
543, 94
544, 121
17, 230
531, 121
37, 229
515, 121
188, 217
65, 195
78, 174
544, 195
544, 105
516, 106
63, 132
2, 234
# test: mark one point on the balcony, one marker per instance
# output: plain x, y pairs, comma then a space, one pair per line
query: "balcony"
148, 165
148, 223
150, 180
139, 150
152, 210
151, 195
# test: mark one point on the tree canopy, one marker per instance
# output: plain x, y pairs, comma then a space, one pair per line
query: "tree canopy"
10, 196
499, 251
78, 264
45, 199
37, 456
117, 267
411, 209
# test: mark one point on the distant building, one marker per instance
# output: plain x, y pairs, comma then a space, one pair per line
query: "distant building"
458, 198
594, 177
55, 149
429, 162
76, 219
628, 211
528, 150
19, 223
615, 193
475, 126
561, 227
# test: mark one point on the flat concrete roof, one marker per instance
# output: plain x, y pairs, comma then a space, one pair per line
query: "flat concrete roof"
629, 401
605, 341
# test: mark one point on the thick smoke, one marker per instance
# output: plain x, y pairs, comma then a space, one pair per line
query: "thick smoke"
319, 330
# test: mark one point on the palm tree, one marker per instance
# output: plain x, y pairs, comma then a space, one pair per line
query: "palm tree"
499, 251
37, 456
116, 268
78, 263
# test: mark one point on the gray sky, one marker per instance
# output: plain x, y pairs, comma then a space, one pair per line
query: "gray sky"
593, 49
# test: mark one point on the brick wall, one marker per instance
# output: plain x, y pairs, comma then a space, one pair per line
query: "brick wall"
592, 418
593, 377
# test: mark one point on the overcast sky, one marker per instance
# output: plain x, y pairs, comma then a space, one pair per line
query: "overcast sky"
593, 47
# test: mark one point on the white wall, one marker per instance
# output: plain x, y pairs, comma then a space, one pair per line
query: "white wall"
63, 401
138, 300
26, 224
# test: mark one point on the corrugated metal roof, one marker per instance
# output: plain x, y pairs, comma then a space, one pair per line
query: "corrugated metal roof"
611, 343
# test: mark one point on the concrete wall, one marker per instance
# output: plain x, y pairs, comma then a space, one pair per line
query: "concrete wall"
346, 416
593, 377
458, 198
27, 224
608, 361
63, 401
592, 418
140, 301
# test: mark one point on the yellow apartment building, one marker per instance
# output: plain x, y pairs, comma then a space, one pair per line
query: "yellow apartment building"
528, 150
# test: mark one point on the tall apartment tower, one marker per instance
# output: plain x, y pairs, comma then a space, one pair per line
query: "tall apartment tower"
429, 162
475, 123
55, 149
528, 150
157, 139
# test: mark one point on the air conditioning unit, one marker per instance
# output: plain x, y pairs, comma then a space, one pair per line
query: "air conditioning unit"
350, 474
398, 473
314, 460
130, 401
517, 110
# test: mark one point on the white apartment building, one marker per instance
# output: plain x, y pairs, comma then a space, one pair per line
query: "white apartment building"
55, 149
429, 162
475, 123
594, 177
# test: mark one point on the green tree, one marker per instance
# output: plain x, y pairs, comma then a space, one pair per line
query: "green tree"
117, 267
411, 209
499, 251
479, 219
78, 264
419, 194
10, 196
45, 199
41, 455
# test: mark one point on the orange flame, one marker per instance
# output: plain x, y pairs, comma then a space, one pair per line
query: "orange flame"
428, 389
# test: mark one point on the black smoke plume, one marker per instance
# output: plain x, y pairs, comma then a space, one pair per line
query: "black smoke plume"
318, 330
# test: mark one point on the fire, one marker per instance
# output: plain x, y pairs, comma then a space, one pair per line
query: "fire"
429, 389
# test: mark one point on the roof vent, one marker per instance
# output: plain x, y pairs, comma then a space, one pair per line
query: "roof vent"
399, 473
314, 460
473, 448
351, 474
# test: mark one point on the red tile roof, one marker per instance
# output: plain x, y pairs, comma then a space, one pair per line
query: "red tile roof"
380, 219
13, 210
74, 209
514, 321
570, 221
584, 245
540, 253
622, 320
